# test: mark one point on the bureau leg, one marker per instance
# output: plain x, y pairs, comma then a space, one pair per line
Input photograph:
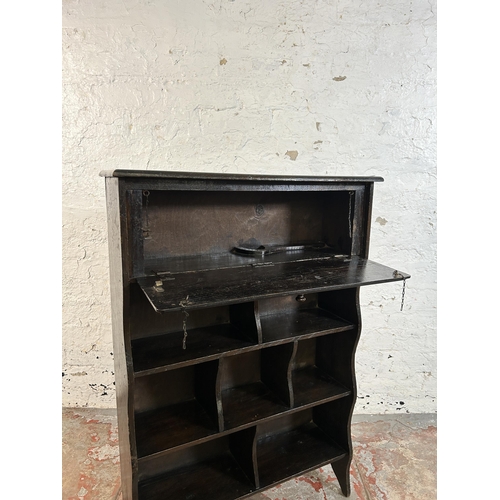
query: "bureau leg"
342, 470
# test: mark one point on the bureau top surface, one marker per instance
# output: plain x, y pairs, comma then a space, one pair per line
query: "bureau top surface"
163, 174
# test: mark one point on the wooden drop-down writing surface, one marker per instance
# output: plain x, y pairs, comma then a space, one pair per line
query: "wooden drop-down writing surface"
232, 285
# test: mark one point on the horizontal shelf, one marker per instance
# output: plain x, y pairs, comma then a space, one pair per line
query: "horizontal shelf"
301, 323
154, 354
248, 403
165, 428
283, 456
219, 479
190, 290
311, 385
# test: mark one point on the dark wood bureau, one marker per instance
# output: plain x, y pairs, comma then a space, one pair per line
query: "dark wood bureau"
235, 306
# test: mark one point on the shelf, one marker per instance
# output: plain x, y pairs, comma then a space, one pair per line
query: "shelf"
154, 354
249, 403
312, 385
217, 479
284, 455
209, 288
255, 385
172, 426
301, 323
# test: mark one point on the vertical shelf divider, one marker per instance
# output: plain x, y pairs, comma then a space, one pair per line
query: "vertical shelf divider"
245, 317
258, 322
277, 370
218, 396
243, 446
206, 387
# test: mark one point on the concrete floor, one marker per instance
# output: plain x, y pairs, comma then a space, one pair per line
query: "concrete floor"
394, 459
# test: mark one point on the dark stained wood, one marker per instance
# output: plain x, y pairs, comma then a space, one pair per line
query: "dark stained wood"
227, 286
284, 455
165, 266
366, 221
335, 353
166, 428
245, 397
276, 371
205, 388
342, 469
235, 373
244, 317
310, 383
301, 323
165, 174
218, 478
146, 322
335, 420
176, 407
154, 354
213, 224
243, 446
136, 230
357, 223
119, 268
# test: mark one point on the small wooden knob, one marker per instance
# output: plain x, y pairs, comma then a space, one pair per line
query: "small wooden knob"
300, 298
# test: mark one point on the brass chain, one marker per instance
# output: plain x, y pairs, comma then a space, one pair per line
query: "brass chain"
184, 329
397, 274
403, 294
184, 303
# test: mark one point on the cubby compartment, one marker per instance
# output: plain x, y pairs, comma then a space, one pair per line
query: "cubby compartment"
220, 469
255, 385
297, 316
173, 339
311, 374
175, 407
175, 234
292, 445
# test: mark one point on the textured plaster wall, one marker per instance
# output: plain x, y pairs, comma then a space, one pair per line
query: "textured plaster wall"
345, 87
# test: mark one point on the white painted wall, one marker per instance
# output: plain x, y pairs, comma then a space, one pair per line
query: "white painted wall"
340, 87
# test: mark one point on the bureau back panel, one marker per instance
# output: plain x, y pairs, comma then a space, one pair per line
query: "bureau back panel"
200, 223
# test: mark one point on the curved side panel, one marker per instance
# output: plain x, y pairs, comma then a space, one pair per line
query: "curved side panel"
336, 356
120, 301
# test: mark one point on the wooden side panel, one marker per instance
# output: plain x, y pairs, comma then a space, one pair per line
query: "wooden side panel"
336, 355
367, 220
243, 446
137, 232
120, 296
